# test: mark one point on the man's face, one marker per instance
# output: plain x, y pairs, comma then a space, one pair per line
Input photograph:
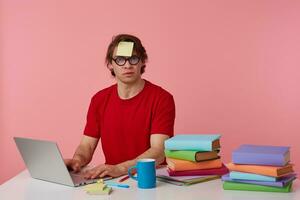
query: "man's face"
129, 72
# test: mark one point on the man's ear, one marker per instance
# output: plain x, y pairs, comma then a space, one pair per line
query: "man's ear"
110, 67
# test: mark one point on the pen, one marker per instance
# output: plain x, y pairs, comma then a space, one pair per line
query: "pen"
117, 185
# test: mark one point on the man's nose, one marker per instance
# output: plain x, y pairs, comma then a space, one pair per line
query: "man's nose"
127, 65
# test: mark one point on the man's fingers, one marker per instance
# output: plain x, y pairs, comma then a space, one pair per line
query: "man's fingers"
103, 174
90, 173
76, 166
87, 175
68, 163
98, 172
72, 164
93, 173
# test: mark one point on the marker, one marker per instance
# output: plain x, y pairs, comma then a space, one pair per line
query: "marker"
117, 185
124, 179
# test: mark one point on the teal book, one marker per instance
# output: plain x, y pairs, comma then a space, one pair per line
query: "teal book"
196, 142
195, 156
252, 187
250, 176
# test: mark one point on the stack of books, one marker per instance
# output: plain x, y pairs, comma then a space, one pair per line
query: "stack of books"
193, 158
163, 175
260, 168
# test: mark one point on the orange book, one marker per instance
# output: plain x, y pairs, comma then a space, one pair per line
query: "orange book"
262, 169
182, 165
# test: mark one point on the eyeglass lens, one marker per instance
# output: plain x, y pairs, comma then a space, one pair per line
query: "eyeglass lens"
120, 60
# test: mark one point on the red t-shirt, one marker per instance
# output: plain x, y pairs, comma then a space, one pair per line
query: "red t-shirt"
125, 126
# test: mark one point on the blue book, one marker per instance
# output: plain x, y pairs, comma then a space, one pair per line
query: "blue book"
250, 176
280, 183
261, 155
197, 142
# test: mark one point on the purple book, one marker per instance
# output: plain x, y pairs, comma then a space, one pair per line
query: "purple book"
261, 155
280, 183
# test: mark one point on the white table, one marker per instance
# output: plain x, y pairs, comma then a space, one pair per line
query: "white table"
24, 187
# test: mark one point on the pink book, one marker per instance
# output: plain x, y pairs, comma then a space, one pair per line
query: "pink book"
199, 172
163, 172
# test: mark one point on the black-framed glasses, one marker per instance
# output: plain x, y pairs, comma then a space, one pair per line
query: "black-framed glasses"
121, 60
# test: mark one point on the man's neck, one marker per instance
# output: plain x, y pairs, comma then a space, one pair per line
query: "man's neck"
127, 91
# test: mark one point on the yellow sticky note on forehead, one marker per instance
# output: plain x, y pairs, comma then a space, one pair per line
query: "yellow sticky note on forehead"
125, 49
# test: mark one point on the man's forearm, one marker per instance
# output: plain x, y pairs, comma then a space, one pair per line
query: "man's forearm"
152, 152
83, 155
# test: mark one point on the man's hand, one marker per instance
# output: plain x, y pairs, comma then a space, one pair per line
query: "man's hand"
105, 170
73, 164
83, 154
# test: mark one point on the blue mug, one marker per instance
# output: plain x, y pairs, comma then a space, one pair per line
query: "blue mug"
146, 175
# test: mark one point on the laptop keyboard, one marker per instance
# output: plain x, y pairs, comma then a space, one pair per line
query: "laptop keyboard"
80, 180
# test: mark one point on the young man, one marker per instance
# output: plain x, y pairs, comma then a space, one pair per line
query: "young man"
132, 118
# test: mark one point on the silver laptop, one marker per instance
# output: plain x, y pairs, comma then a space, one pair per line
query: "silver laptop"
44, 161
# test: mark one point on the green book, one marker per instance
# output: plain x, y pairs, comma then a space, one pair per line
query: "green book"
252, 187
195, 156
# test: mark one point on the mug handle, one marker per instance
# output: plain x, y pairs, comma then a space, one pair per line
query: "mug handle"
130, 173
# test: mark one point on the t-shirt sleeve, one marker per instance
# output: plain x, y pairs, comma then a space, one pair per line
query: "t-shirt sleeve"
92, 122
164, 116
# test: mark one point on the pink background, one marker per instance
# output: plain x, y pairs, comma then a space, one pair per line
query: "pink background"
232, 66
